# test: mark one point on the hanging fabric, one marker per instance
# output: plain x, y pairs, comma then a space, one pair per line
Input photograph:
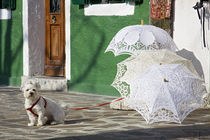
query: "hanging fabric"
160, 9
161, 14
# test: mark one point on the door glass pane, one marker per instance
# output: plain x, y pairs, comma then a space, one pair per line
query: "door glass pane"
54, 6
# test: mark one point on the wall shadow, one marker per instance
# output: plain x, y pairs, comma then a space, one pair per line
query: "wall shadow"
9, 52
5, 70
96, 50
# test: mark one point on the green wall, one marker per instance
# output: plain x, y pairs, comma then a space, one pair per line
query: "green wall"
92, 70
11, 48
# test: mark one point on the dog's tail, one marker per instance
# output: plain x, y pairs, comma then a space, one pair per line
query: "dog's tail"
66, 107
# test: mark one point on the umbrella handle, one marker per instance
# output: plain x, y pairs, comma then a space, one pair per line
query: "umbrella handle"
142, 22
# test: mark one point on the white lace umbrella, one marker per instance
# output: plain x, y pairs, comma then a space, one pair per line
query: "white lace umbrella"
166, 93
133, 66
140, 37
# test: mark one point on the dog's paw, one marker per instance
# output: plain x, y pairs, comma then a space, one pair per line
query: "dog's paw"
40, 124
31, 124
53, 123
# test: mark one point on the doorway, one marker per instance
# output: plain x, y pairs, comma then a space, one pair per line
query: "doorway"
34, 40
54, 38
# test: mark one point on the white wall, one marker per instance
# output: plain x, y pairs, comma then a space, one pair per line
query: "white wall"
36, 37
33, 37
5, 14
188, 37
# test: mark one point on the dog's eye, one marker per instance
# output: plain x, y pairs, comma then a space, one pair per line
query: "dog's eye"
27, 89
34, 90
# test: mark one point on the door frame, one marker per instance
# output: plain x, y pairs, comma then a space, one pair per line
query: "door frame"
27, 65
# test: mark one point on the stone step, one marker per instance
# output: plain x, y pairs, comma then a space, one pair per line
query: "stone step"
47, 83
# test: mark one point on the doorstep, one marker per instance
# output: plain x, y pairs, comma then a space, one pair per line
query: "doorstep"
47, 83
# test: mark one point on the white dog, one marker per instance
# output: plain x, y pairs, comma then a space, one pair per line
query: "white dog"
42, 109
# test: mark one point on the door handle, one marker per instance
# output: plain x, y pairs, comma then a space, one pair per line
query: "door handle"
53, 18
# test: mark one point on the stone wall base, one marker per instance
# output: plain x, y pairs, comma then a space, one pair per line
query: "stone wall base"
47, 83
119, 105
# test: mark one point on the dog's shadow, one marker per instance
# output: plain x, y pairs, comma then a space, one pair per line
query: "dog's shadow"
77, 121
48, 123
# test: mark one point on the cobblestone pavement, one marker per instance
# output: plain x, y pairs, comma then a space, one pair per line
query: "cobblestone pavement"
100, 123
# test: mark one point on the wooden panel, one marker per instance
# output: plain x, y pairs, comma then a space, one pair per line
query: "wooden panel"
55, 41
54, 70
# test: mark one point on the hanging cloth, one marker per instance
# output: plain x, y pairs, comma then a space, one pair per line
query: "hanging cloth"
160, 9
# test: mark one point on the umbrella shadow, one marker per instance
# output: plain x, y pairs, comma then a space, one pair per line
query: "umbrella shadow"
190, 56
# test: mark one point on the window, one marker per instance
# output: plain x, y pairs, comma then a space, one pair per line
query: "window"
107, 7
55, 6
83, 2
8, 4
5, 8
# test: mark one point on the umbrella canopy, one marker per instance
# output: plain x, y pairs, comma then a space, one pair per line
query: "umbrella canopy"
133, 66
140, 37
166, 93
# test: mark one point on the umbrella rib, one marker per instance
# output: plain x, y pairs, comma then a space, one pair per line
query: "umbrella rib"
168, 92
174, 107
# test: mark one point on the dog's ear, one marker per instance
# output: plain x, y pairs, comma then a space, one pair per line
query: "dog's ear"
21, 88
23, 84
37, 85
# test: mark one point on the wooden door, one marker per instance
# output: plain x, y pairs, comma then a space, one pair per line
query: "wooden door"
55, 38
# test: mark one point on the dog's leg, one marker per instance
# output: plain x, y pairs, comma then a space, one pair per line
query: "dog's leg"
41, 119
32, 119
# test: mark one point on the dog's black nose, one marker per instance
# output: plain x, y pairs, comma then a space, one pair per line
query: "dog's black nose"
31, 93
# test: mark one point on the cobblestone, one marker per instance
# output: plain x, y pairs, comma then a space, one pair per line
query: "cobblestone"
100, 123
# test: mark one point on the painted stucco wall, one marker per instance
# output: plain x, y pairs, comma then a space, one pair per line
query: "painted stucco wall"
11, 43
92, 70
187, 36
36, 37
